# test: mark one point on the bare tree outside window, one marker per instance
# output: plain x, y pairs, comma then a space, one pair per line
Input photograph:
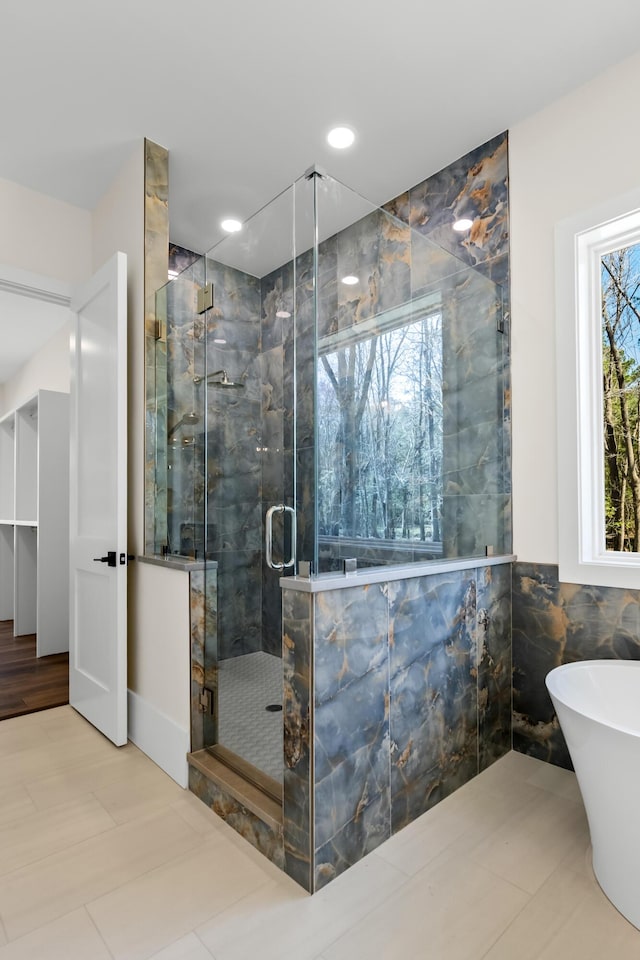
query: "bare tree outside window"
620, 278
380, 435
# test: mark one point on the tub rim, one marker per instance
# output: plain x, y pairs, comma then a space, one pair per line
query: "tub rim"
584, 665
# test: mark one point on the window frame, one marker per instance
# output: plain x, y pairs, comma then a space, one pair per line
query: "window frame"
580, 242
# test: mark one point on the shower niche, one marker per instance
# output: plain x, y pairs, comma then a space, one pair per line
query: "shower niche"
330, 396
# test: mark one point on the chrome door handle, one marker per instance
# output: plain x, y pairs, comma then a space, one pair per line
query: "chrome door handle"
268, 537
294, 534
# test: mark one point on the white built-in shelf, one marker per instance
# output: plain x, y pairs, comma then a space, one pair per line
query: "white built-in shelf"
7, 466
6, 571
27, 460
34, 536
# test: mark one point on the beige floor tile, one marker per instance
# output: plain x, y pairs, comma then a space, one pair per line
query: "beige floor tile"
45, 759
454, 908
15, 737
149, 913
556, 780
37, 836
72, 937
88, 777
281, 922
507, 778
142, 790
420, 842
568, 919
186, 948
65, 722
15, 803
527, 847
39, 893
483, 810
200, 818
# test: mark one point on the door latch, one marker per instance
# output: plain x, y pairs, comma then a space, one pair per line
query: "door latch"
110, 559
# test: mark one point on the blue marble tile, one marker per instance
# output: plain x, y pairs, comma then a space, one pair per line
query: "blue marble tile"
433, 690
351, 637
425, 612
297, 794
475, 186
472, 522
555, 623
239, 602
494, 663
198, 642
351, 744
356, 839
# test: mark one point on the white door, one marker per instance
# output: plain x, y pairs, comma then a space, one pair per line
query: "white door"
98, 501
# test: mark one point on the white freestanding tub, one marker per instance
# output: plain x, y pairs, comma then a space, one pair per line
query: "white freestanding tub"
598, 706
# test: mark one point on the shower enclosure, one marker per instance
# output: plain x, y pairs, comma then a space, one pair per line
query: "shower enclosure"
330, 398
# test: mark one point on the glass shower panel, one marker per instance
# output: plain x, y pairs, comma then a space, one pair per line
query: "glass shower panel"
181, 444
247, 389
409, 407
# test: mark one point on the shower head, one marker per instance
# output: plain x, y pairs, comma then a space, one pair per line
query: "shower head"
189, 419
224, 380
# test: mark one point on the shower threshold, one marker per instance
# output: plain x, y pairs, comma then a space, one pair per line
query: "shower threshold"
272, 788
243, 782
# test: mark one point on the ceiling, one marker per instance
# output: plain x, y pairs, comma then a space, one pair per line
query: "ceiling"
242, 92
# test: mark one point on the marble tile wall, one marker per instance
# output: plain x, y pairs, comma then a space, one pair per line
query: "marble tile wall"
203, 599
477, 445
298, 793
412, 698
156, 244
555, 623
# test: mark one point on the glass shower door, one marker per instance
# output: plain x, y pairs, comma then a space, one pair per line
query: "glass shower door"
249, 388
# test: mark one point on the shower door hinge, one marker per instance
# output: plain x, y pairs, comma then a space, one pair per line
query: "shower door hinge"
159, 329
502, 322
206, 701
205, 297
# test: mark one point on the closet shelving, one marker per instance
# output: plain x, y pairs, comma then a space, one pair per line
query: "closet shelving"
34, 520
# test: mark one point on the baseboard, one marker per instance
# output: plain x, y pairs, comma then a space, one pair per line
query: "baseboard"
162, 739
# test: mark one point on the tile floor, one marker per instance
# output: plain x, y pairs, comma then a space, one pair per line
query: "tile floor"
246, 685
102, 856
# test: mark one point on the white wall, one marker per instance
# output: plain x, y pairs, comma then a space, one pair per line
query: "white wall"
43, 235
53, 239
566, 159
46, 370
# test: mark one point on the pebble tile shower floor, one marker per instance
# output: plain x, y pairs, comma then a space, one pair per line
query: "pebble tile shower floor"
247, 685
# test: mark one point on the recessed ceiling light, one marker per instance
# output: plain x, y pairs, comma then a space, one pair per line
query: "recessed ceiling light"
172, 274
350, 280
340, 137
463, 224
283, 314
219, 340
231, 225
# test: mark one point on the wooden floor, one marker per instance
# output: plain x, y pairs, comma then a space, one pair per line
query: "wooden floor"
26, 682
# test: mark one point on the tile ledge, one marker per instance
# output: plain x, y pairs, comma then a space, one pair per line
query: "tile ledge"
174, 562
341, 581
